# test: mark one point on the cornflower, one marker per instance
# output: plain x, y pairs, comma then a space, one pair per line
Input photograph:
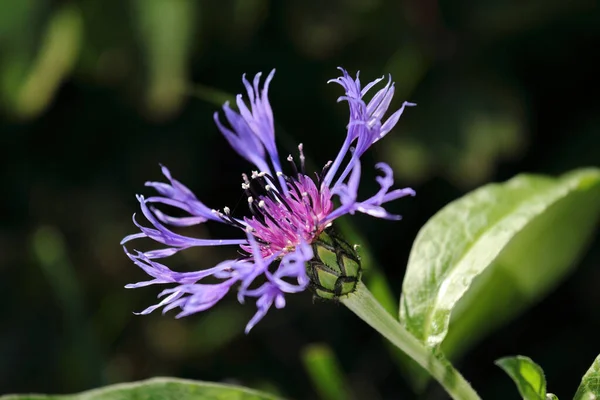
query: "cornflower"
288, 243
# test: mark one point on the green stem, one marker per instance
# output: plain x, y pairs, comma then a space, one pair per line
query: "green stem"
363, 304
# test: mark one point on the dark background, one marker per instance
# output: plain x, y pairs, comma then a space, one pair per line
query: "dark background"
96, 93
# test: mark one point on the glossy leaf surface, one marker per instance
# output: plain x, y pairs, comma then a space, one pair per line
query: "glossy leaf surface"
488, 255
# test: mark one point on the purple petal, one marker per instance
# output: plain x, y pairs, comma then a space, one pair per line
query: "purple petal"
398, 193
133, 236
347, 193
163, 274
370, 85
293, 265
365, 125
253, 127
165, 236
389, 124
180, 196
242, 139
199, 297
204, 297
377, 212
268, 292
259, 267
165, 301
176, 221
381, 101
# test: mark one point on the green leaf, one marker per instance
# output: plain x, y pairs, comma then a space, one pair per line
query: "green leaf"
528, 376
589, 389
158, 388
494, 252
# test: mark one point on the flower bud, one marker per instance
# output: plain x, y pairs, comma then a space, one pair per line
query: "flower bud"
335, 269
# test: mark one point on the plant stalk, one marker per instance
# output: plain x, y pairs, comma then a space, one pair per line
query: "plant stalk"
362, 303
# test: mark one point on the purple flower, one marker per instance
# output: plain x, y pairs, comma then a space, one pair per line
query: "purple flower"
288, 212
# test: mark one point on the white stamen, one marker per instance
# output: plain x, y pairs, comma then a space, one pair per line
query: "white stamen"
245, 186
267, 187
227, 210
261, 203
254, 174
290, 158
250, 199
279, 173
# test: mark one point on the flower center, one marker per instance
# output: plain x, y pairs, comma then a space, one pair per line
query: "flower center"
281, 220
285, 211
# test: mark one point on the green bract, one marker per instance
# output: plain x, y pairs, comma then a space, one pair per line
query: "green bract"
335, 269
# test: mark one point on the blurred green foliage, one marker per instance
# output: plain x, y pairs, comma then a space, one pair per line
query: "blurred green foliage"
94, 94
325, 372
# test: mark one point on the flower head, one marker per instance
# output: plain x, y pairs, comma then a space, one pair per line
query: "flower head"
289, 212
